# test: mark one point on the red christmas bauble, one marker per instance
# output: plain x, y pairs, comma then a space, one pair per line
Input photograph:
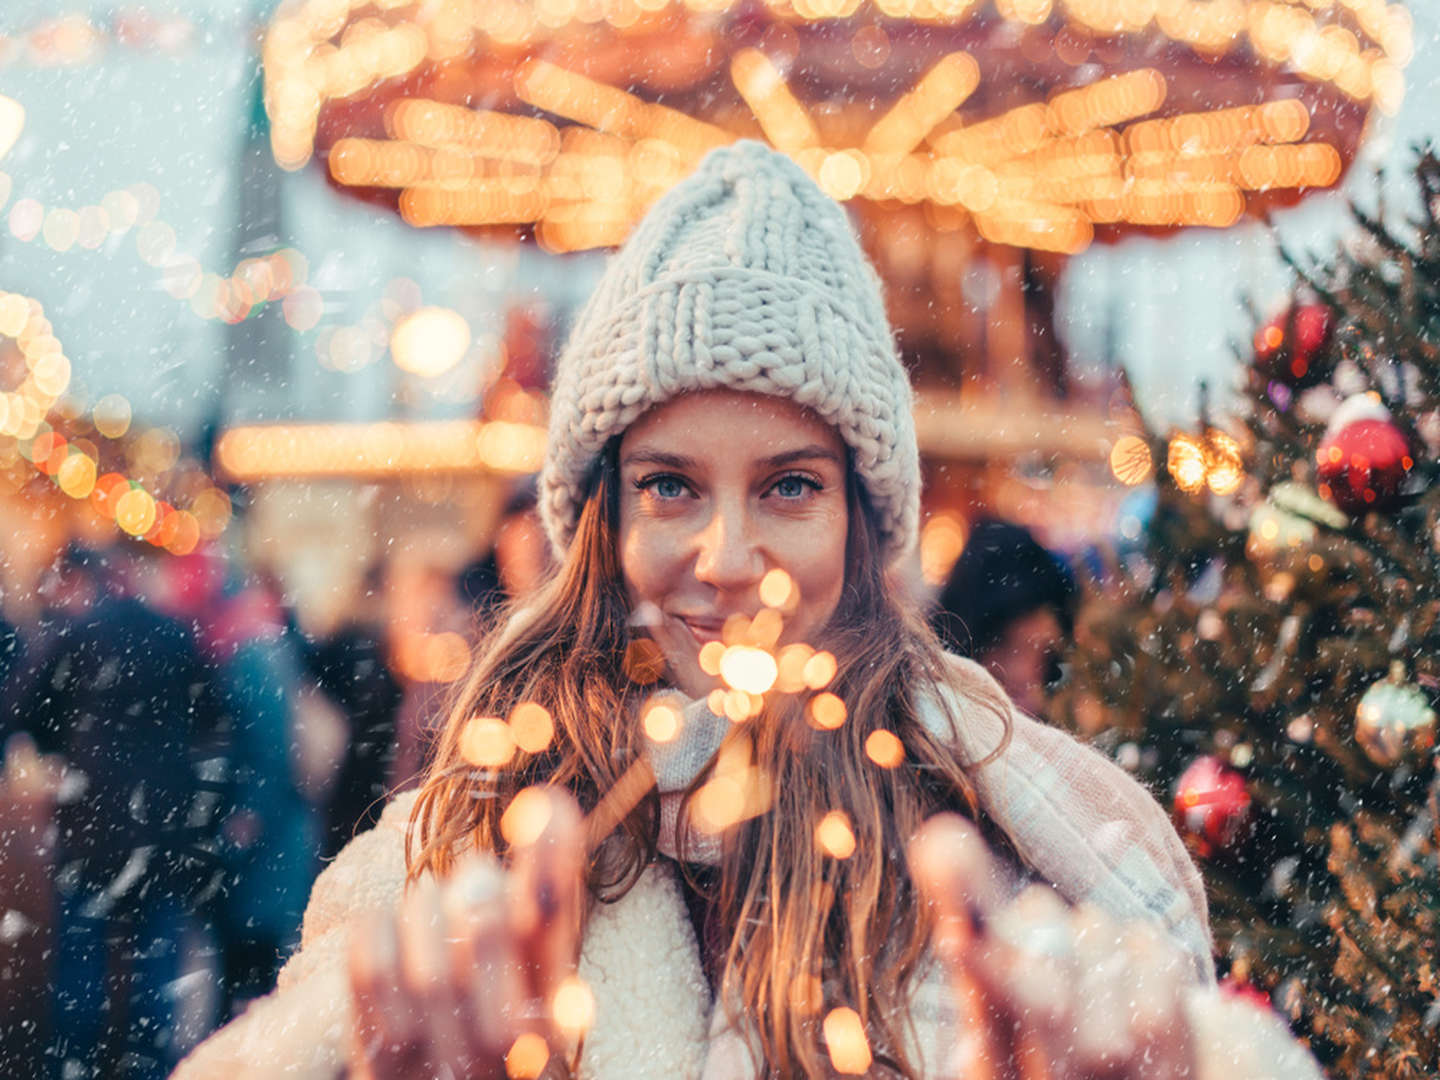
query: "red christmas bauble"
1245, 990
1361, 465
1212, 806
1291, 346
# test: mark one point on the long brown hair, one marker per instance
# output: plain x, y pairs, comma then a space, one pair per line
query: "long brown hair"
797, 919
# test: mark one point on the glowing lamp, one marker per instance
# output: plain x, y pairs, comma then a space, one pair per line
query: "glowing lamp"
430, 342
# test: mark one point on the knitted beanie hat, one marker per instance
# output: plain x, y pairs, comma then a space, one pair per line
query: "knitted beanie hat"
745, 276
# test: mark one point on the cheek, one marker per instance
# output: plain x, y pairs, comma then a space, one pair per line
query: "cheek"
648, 557
815, 559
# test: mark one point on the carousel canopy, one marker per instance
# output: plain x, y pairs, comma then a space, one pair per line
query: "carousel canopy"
1042, 124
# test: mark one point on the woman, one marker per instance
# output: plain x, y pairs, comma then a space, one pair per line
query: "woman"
730, 413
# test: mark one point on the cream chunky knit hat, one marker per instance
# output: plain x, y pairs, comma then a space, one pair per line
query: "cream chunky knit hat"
745, 276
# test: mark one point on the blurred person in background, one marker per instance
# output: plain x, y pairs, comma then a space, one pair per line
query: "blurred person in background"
118, 692
29, 787
270, 828
349, 667
515, 563
1010, 605
468, 603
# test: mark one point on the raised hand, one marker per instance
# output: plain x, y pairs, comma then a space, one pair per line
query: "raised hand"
474, 978
1045, 990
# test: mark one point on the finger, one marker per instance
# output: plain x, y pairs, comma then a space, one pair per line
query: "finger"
364, 968
954, 871
1026, 966
547, 887
425, 972
1160, 1025
383, 1031
1104, 999
483, 962
953, 868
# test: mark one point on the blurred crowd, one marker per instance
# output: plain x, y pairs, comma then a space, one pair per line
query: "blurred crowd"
184, 751
183, 754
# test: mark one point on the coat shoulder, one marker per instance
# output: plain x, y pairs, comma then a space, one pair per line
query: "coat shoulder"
368, 874
1085, 824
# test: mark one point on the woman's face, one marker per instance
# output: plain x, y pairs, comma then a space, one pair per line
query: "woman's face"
717, 489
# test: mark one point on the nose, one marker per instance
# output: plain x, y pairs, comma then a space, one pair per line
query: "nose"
729, 555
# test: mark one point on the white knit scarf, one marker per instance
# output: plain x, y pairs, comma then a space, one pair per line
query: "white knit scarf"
676, 763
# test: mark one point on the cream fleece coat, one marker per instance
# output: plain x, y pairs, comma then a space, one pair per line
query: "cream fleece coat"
1079, 822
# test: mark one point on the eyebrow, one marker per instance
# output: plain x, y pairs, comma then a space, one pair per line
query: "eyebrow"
647, 456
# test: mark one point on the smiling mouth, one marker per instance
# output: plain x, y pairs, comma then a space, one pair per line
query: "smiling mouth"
704, 631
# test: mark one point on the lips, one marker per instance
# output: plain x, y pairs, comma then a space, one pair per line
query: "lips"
703, 628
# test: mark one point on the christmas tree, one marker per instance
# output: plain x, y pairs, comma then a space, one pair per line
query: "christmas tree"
1267, 653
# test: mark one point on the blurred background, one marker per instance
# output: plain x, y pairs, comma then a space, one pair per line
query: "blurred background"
284, 285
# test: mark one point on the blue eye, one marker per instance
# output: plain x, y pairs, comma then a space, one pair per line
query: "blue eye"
794, 486
662, 486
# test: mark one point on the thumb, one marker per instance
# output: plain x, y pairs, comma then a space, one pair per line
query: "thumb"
547, 884
954, 871
957, 875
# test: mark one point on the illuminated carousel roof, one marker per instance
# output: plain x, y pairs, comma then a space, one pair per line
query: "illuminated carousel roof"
1042, 123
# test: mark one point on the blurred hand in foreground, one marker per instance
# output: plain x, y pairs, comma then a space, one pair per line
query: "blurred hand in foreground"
474, 977
1045, 990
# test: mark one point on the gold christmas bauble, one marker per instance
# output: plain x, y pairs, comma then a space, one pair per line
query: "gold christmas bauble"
1395, 722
